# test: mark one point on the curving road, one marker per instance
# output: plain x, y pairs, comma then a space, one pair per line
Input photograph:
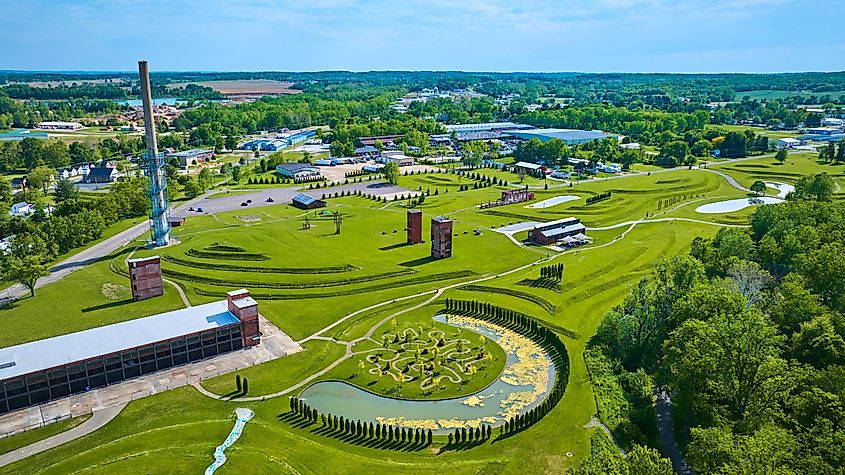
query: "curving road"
210, 205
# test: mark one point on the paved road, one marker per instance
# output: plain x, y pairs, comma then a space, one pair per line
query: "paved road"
97, 420
214, 205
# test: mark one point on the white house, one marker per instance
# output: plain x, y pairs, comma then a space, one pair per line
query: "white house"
22, 209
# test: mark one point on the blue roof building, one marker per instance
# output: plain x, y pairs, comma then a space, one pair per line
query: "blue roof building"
569, 136
303, 201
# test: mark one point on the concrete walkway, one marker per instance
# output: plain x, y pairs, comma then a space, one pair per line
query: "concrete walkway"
98, 420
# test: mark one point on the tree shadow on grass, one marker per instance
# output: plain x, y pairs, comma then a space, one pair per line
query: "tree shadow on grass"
548, 284
317, 428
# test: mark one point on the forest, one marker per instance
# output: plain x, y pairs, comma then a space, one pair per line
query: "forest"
747, 333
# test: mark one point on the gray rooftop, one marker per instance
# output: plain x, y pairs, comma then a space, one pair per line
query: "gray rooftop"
51, 352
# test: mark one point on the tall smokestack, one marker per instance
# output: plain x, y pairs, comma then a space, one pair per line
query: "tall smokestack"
160, 227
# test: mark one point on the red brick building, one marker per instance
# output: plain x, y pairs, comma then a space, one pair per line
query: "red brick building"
516, 196
145, 278
441, 237
245, 308
414, 226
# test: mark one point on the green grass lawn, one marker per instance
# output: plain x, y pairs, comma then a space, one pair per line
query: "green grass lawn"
177, 431
772, 134
23, 439
768, 94
797, 165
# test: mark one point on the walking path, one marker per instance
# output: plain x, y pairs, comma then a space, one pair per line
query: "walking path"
667, 434
597, 423
98, 420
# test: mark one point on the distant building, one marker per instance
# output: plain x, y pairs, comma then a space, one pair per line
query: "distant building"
176, 221
145, 278
375, 168
57, 125
298, 170
441, 237
102, 175
192, 157
788, 142
531, 168
630, 146
397, 157
44, 370
267, 145
414, 226
517, 196
381, 138
554, 231
22, 209
568, 136
19, 183
303, 201
367, 151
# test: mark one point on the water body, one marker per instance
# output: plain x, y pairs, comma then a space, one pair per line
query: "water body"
553, 201
783, 188
166, 101
20, 134
244, 416
342, 399
729, 206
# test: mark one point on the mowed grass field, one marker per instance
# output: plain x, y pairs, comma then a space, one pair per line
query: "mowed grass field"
368, 264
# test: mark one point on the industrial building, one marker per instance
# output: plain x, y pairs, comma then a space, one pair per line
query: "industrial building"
303, 201
559, 230
414, 226
44, 370
58, 125
441, 237
569, 136
145, 277
298, 170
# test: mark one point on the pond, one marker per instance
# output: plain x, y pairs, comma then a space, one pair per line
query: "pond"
729, 206
553, 201
783, 188
525, 382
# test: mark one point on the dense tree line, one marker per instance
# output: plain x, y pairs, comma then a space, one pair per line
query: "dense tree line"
30, 152
747, 334
367, 431
75, 222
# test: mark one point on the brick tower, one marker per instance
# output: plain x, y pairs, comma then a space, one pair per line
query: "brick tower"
441, 237
414, 226
145, 277
246, 309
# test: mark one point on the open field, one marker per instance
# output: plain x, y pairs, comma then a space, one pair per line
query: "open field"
768, 94
332, 289
244, 86
771, 134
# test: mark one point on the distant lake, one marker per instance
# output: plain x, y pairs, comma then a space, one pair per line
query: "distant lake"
166, 101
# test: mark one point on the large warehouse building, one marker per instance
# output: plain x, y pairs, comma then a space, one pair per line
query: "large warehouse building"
43, 370
569, 136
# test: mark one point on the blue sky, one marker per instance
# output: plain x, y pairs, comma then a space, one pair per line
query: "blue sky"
471, 35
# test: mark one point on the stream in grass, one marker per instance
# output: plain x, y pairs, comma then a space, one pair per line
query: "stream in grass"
525, 382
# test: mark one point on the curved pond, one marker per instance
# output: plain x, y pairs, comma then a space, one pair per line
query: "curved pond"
553, 201
729, 206
525, 382
783, 188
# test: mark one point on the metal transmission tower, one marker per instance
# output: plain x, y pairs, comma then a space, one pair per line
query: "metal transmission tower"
159, 208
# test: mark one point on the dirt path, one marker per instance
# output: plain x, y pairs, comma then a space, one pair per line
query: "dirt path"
663, 409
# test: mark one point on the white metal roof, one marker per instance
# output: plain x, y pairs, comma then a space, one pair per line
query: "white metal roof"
51, 352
